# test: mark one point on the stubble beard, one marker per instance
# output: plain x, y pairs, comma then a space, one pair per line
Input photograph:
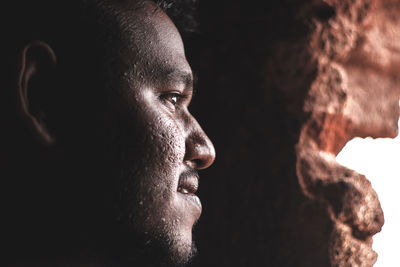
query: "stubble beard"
137, 245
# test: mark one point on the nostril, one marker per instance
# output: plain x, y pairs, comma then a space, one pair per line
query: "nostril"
199, 163
200, 155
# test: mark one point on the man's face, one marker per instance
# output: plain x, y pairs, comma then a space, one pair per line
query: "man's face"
156, 144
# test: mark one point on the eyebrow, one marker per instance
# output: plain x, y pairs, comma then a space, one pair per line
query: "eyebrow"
182, 77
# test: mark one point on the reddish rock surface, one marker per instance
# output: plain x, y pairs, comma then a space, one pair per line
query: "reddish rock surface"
297, 79
355, 92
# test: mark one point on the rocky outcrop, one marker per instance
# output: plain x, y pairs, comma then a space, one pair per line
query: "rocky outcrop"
298, 80
355, 93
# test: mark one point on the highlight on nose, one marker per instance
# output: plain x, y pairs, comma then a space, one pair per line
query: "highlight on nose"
200, 152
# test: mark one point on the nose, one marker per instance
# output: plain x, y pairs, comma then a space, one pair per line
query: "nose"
200, 152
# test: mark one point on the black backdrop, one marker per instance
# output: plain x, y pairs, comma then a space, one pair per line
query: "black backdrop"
250, 195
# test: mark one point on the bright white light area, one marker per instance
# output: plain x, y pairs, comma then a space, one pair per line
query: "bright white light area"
379, 160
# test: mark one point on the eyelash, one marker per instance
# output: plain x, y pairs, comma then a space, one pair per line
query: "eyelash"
169, 96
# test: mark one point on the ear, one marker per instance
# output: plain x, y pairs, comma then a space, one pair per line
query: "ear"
37, 63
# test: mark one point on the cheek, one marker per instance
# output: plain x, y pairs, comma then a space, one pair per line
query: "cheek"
164, 133
162, 164
170, 141
153, 145
166, 148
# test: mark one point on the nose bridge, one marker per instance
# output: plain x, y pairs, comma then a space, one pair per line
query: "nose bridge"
200, 152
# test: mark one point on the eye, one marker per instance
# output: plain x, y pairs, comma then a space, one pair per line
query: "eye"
172, 98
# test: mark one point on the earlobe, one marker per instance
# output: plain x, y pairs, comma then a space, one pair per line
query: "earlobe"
37, 61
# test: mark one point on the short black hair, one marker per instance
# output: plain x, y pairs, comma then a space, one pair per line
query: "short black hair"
182, 12
22, 21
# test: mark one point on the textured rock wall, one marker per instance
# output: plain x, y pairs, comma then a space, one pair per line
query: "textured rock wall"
355, 93
287, 84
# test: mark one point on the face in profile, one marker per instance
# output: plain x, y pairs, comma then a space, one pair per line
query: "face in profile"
129, 151
160, 145
157, 145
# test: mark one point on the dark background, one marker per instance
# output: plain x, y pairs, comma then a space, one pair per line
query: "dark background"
251, 198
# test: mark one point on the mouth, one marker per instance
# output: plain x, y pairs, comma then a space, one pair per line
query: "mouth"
187, 186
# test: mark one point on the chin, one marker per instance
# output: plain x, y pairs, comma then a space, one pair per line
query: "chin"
169, 252
153, 251
177, 244
168, 245
183, 253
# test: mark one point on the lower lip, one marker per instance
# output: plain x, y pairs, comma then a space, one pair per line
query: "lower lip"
193, 199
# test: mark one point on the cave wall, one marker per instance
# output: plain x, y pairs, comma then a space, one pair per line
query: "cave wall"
283, 85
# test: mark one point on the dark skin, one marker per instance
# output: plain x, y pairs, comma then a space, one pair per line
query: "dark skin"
117, 180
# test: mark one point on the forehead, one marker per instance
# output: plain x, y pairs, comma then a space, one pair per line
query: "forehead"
150, 39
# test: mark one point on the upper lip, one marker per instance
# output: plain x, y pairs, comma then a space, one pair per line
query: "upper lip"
188, 182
